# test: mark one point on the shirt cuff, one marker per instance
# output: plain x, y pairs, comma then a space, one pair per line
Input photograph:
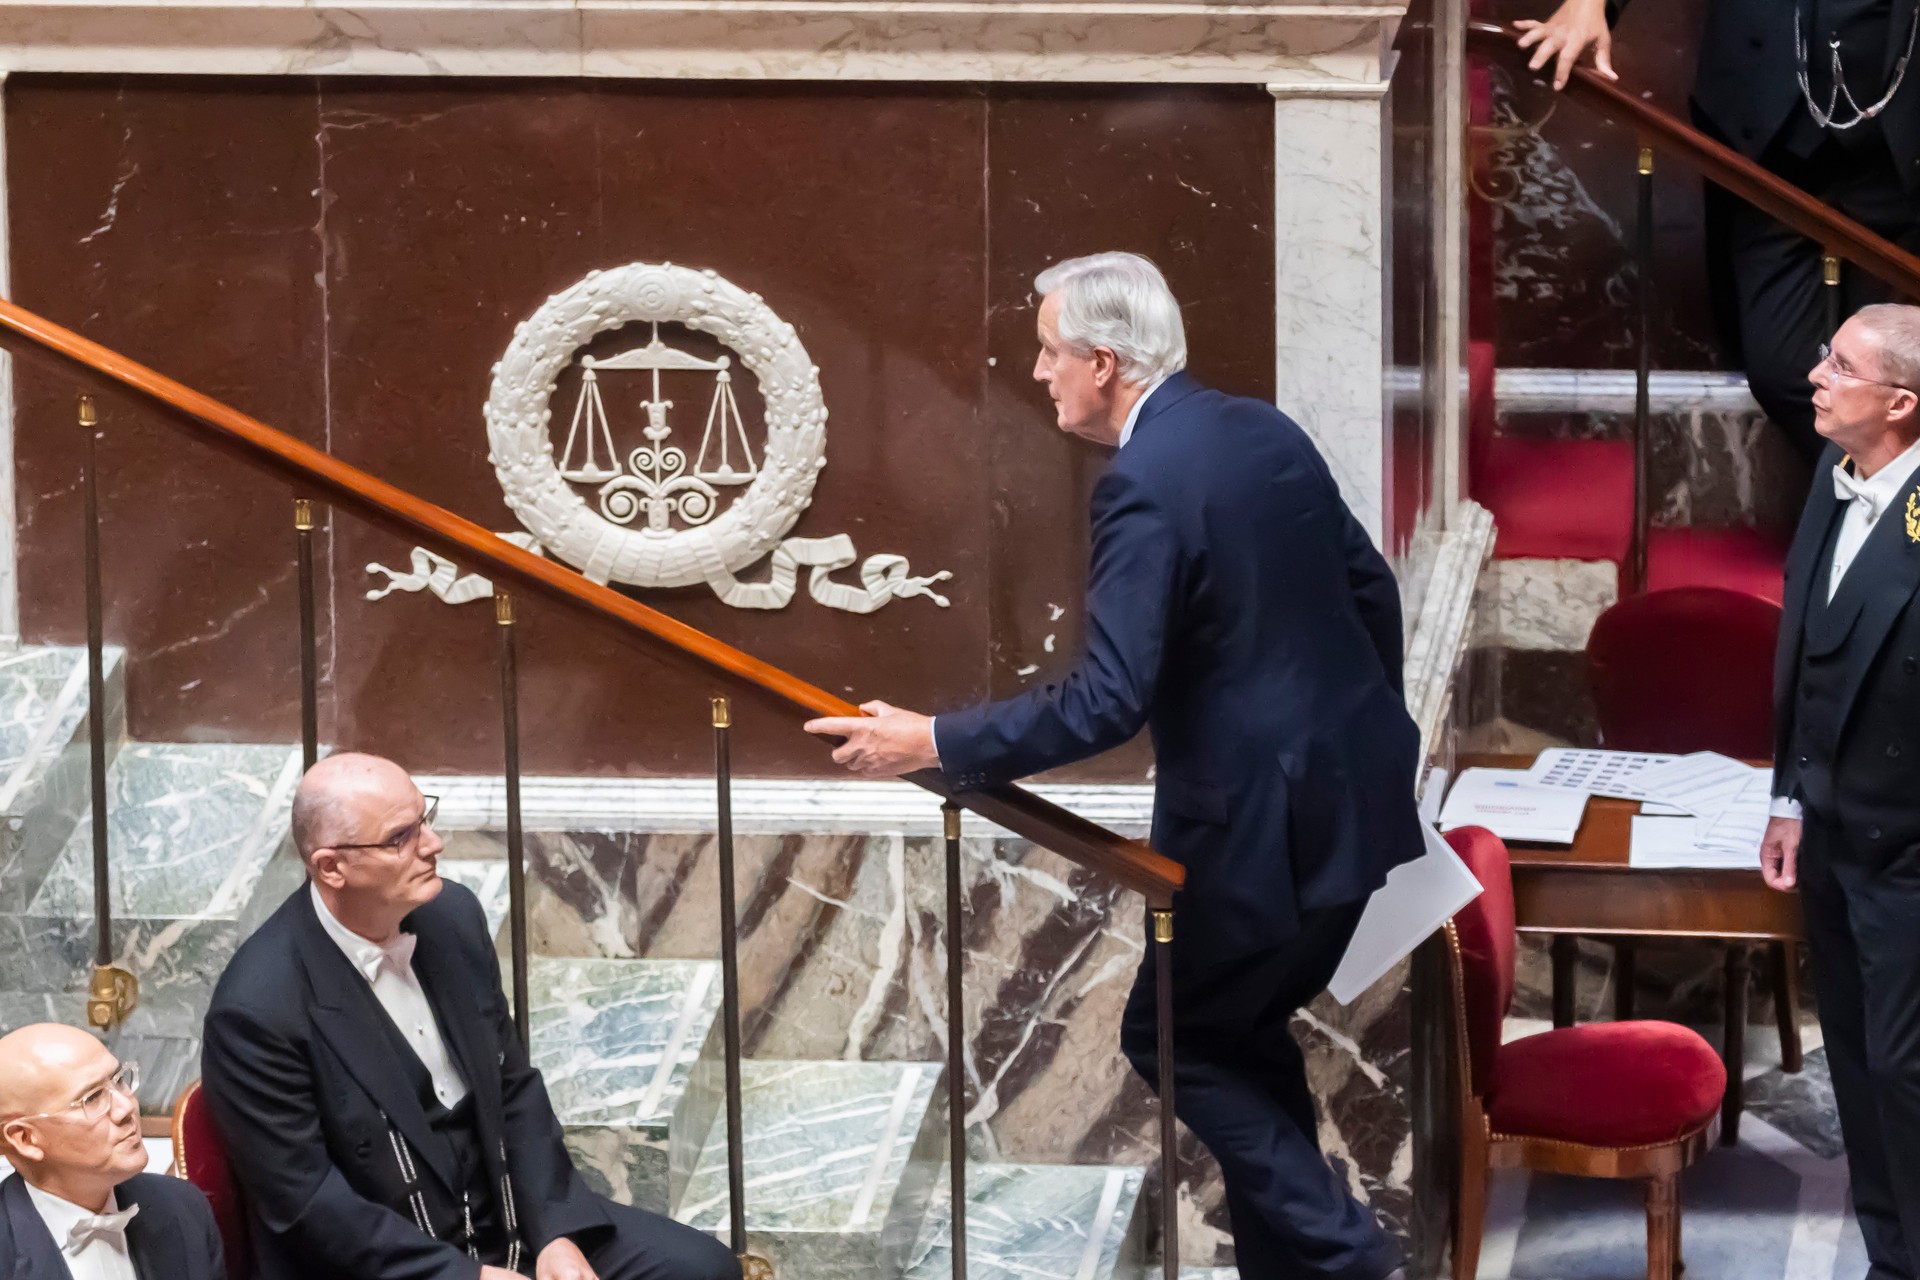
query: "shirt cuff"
1784, 807
933, 731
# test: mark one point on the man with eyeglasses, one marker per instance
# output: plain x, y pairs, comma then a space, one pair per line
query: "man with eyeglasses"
376, 1102
1846, 779
79, 1204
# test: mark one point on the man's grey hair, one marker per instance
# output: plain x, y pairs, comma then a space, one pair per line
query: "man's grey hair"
1119, 301
1896, 327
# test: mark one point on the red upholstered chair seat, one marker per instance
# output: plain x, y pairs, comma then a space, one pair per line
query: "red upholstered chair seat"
1610, 1084
200, 1157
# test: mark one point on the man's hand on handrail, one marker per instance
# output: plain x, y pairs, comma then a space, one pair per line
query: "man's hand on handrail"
1577, 29
886, 742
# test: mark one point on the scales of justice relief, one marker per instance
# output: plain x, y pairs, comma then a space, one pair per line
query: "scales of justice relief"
652, 521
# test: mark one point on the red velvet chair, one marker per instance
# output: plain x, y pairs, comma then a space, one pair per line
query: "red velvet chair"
1608, 1100
1691, 669
200, 1157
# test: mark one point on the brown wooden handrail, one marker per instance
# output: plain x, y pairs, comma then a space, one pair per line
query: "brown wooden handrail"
1838, 234
1131, 862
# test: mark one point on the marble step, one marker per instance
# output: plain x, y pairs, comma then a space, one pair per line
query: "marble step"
618, 1042
1040, 1222
44, 763
200, 854
841, 1162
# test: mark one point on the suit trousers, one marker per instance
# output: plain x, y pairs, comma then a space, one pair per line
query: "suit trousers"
646, 1246
1863, 937
1770, 298
1240, 1084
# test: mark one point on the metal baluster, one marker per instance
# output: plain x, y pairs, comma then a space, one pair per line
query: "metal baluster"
956, 1044
309, 666
751, 1266
1643, 369
1830, 277
111, 992
1169, 1162
516, 847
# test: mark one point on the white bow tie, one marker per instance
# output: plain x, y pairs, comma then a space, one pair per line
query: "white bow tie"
99, 1226
1850, 489
396, 955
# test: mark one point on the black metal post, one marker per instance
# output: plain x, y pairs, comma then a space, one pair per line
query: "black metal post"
516, 845
111, 992
1643, 369
309, 664
1169, 1161
956, 1044
1830, 276
730, 979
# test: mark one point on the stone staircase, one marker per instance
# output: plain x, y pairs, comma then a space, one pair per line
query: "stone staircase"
845, 1160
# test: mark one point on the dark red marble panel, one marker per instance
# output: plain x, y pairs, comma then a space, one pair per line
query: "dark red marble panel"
175, 221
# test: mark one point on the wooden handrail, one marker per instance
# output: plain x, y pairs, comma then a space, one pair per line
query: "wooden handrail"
1838, 234
317, 473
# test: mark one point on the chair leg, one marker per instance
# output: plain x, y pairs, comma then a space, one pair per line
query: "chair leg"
1625, 968
1679, 1259
1662, 1236
1734, 1044
1563, 951
1470, 1209
1785, 958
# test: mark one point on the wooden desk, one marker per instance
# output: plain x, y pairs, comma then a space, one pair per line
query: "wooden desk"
1589, 888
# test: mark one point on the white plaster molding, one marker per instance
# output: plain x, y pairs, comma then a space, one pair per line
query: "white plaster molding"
1331, 286
765, 806
1613, 391
1439, 637
1154, 41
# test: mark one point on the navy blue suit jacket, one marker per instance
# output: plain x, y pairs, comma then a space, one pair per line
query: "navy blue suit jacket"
1237, 609
173, 1237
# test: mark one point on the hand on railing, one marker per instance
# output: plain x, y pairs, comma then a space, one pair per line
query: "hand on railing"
885, 742
1577, 30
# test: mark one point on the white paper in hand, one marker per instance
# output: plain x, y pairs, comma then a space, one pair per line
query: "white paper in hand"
1418, 897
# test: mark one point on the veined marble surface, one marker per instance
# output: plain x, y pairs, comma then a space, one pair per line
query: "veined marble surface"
44, 758
1039, 1222
191, 829
840, 1163
488, 880
1543, 604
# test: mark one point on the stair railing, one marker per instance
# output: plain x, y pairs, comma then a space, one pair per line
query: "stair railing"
1842, 239
318, 476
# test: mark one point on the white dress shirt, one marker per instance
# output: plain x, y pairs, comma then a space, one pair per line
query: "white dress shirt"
1867, 500
93, 1255
389, 970
1126, 434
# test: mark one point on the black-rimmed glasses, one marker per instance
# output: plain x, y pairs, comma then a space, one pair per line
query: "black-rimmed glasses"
406, 835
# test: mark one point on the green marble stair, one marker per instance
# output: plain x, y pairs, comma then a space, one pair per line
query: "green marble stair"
1040, 1222
841, 1162
44, 759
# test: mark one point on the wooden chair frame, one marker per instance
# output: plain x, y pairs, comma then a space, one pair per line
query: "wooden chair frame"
1482, 1151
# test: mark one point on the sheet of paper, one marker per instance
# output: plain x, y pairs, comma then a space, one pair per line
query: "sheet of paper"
1739, 828
1703, 783
1418, 897
1600, 773
1504, 802
1669, 843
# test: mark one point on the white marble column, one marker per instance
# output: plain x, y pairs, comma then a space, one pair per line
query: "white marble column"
9, 528
1331, 263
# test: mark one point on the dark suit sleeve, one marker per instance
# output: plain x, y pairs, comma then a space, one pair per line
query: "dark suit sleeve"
1103, 701
550, 1198
1375, 592
211, 1249
261, 1090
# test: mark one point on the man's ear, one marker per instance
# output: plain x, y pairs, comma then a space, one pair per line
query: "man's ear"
17, 1137
324, 868
1106, 367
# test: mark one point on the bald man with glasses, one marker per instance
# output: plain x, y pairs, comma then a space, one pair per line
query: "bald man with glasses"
79, 1204
362, 1066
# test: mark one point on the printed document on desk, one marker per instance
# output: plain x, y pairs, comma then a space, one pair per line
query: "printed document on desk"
1661, 844
1505, 803
1596, 772
1418, 897
1703, 783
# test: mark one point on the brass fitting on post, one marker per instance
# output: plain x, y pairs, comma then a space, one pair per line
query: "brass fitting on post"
1830, 270
755, 1267
89, 418
112, 994
722, 714
1646, 160
951, 813
303, 514
503, 609
1163, 926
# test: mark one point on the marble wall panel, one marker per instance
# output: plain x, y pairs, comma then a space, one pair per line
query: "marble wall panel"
176, 221
842, 956
357, 254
